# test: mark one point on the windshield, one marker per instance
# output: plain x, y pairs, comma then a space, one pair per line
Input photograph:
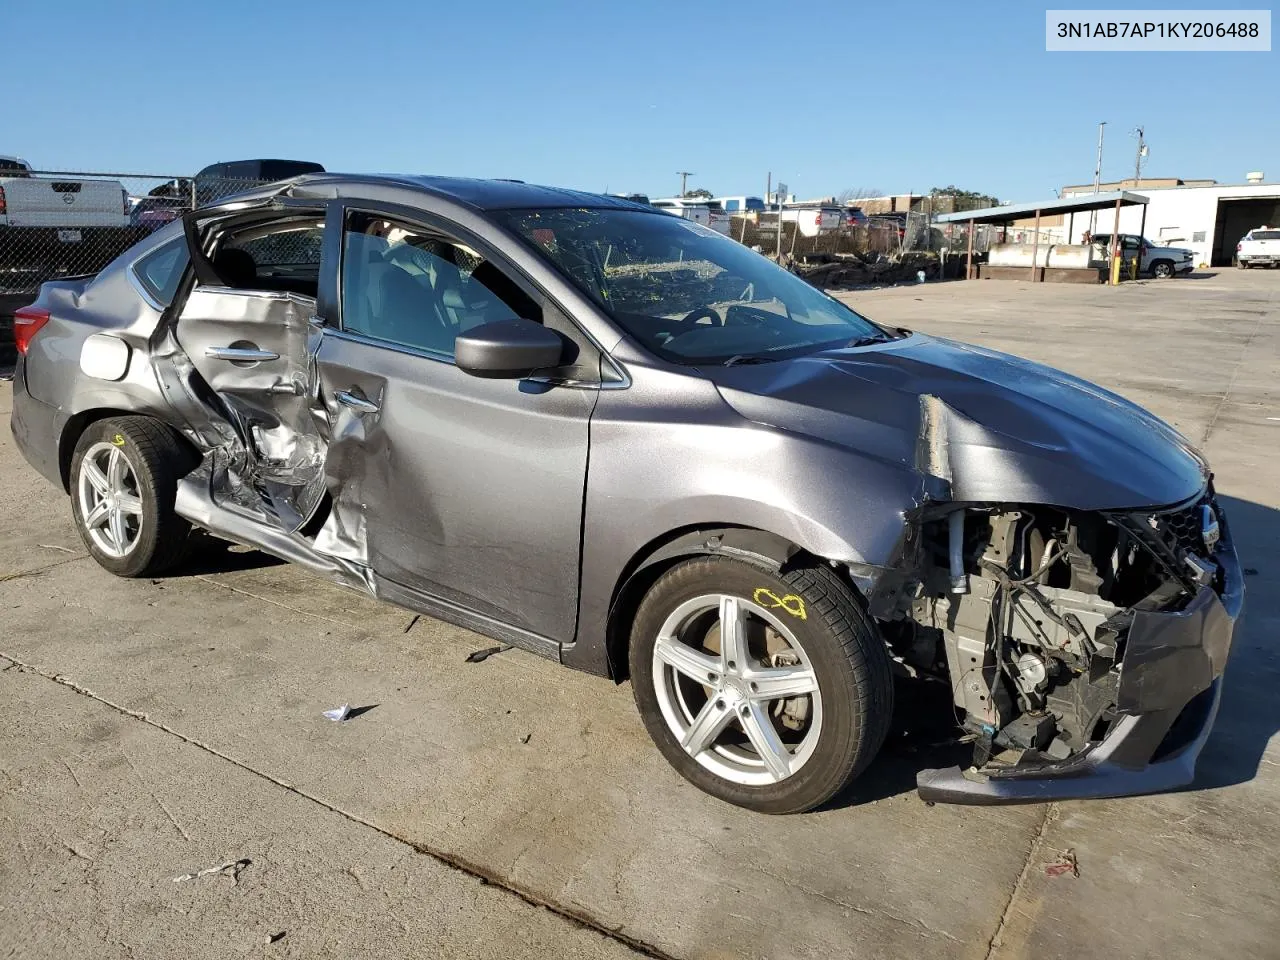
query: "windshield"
687, 293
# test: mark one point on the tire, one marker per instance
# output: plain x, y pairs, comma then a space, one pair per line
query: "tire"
1162, 270
1245, 265
810, 624
151, 460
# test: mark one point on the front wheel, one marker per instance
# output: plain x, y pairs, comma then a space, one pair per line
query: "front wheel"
1162, 269
770, 691
124, 476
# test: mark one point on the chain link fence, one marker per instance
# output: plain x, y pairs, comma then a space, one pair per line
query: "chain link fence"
874, 235
56, 224
65, 223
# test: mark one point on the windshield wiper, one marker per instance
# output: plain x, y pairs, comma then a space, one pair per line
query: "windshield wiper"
865, 341
748, 358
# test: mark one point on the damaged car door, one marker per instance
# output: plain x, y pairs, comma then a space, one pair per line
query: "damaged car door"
248, 328
456, 490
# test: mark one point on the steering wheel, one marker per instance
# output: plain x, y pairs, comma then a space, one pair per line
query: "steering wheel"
701, 313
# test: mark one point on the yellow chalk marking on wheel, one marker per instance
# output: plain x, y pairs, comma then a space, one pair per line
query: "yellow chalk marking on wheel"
118, 440
791, 603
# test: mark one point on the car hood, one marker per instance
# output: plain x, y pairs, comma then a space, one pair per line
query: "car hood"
992, 426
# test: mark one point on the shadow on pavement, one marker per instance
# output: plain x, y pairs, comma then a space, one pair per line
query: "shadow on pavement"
210, 556
923, 736
1249, 716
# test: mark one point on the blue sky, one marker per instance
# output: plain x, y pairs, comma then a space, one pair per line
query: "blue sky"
826, 95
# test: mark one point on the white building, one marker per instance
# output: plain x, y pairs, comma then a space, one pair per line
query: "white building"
1207, 217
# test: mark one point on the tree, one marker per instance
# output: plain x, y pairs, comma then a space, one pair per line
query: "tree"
700, 193
965, 199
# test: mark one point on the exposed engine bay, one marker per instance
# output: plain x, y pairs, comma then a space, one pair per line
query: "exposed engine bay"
1025, 612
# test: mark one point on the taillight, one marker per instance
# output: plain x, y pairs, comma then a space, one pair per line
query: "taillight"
1239, 247
4, 206
27, 322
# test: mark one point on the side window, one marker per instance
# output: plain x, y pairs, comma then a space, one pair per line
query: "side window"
160, 270
415, 287
283, 256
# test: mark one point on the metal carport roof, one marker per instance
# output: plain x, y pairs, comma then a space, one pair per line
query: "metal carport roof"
1044, 208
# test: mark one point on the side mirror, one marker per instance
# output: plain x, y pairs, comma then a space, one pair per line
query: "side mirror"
507, 349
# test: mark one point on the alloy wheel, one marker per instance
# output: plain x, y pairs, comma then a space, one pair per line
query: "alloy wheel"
736, 688
110, 501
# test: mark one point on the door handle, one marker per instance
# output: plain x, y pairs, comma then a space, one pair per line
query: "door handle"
241, 354
355, 402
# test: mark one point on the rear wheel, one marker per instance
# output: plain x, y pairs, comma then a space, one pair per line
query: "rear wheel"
124, 476
770, 691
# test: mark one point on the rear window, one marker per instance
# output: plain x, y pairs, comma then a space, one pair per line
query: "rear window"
13, 168
1265, 235
160, 270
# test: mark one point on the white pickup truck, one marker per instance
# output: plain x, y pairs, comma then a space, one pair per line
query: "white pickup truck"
51, 227
709, 213
1158, 262
1260, 247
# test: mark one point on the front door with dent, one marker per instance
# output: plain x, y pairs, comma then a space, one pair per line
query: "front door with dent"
469, 490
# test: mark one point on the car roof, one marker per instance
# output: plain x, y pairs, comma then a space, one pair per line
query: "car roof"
475, 193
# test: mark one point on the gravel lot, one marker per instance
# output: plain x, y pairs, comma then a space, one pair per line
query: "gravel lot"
511, 808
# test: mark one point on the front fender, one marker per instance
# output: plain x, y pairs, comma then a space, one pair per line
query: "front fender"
697, 465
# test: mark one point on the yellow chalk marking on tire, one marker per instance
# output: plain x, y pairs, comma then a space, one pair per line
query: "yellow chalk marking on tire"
791, 603
118, 440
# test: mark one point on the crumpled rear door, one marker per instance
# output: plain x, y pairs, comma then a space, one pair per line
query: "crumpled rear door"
256, 351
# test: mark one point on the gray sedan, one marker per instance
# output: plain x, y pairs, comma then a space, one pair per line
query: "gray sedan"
622, 441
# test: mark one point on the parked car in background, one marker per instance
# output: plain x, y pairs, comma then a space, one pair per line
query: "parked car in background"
162, 204
57, 226
813, 220
27, 200
720, 220
896, 219
1260, 247
220, 180
854, 217
1159, 262
689, 209
742, 204
642, 450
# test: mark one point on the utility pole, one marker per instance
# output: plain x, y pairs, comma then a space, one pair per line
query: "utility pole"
1142, 153
1097, 179
684, 176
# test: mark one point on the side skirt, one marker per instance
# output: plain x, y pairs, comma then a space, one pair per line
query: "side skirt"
460, 616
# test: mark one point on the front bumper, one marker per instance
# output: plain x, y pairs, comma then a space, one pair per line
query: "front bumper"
1170, 688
